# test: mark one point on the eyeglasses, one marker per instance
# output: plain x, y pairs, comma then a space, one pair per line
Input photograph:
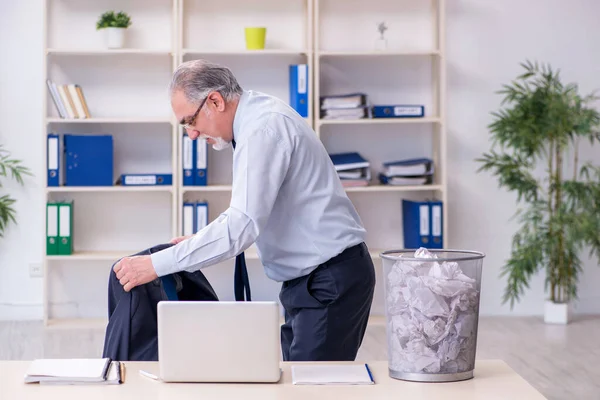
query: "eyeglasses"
190, 124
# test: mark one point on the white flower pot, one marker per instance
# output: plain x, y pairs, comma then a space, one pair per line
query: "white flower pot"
114, 37
557, 313
381, 44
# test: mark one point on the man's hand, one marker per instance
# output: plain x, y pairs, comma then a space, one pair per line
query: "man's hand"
179, 239
135, 271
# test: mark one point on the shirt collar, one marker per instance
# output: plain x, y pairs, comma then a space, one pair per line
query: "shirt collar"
239, 115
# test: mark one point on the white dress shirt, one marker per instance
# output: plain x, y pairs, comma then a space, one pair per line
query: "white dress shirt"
286, 197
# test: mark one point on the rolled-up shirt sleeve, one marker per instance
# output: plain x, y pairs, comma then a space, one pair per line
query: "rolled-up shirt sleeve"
260, 164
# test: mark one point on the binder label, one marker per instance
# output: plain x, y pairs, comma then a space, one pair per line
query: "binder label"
201, 151
436, 215
407, 110
53, 153
424, 220
187, 153
302, 84
140, 180
52, 229
202, 217
188, 219
64, 221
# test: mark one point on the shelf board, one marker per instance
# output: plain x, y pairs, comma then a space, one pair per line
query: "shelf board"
77, 323
109, 120
367, 121
394, 188
92, 256
95, 189
208, 188
243, 52
375, 53
370, 188
92, 52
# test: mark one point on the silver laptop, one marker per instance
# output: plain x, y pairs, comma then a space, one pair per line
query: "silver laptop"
218, 341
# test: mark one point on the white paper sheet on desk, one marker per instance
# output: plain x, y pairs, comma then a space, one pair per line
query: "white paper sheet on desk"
355, 374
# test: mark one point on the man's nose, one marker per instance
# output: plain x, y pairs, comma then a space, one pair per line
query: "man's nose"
193, 134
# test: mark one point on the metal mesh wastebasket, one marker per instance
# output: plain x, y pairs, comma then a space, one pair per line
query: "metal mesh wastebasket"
432, 313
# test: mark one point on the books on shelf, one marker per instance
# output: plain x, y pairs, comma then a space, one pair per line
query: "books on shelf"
77, 371
414, 171
88, 160
344, 106
353, 170
357, 106
68, 100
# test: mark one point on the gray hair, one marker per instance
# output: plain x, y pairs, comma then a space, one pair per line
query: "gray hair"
197, 78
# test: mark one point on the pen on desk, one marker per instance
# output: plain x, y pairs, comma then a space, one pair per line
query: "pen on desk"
148, 375
370, 374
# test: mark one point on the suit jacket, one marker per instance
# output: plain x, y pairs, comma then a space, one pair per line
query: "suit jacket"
132, 331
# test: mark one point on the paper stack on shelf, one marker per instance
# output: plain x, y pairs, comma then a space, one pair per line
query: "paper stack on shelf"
68, 100
352, 169
414, 171
345, 106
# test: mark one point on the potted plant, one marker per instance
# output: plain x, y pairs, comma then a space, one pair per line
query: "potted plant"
381, 42
13, 169
114, 26
539, 133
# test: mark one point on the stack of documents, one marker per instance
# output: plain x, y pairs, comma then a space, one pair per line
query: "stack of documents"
414, 171
352, 169
345, 106
78, 371
332, 374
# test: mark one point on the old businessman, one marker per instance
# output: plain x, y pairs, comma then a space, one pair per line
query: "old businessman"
287, 198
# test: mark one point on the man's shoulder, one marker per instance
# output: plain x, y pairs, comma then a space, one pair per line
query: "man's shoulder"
268, 108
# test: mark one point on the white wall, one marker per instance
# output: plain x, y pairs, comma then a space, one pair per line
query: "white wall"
20, 127
486, 40
485, 43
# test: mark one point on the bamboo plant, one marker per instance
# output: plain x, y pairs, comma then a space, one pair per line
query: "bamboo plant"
538, 131
14, 169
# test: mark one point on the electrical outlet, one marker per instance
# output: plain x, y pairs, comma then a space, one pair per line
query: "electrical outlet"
35, 270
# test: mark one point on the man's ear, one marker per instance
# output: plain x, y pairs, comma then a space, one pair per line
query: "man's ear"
217, 101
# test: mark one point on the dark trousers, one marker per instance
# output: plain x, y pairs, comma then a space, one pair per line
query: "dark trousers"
326, 312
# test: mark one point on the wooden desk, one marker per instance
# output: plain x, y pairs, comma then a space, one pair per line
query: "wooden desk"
493, 379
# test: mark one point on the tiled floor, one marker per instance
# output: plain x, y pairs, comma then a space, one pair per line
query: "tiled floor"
560, 361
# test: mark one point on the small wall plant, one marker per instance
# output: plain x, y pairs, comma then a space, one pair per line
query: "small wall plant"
381, 28
110, 19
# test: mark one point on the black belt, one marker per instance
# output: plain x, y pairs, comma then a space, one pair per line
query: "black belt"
348, 253
241, 282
